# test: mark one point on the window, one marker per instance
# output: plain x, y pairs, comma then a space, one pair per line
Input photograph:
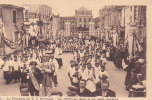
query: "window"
80, 19
80, 26
89, 19
14, 16
85, 25
84, 20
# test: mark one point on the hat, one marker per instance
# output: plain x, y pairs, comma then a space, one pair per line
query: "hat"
33, 63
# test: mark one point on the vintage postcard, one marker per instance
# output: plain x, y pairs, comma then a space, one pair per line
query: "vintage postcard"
75, 49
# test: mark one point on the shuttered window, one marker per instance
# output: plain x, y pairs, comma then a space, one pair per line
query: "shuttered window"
14, 16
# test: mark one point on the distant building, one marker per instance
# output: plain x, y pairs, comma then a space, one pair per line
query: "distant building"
44, 11
72, 21
12, 18
83, 17
124, 24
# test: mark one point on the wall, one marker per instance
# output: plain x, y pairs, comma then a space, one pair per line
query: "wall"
9, 26
8, 23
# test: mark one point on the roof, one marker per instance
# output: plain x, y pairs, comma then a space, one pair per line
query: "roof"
68, 18
112, 8
11, 6
82, 9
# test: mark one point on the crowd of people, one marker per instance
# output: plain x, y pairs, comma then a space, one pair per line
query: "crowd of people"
89, 65
88, 71
36, 68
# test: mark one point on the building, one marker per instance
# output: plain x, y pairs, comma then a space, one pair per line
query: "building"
44, 11
110, 23
72, 21
83, 17
55, 25
134, 21
11, 17
125, 23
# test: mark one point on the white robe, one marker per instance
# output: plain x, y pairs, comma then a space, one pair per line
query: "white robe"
58, 53
54, 61
90, 85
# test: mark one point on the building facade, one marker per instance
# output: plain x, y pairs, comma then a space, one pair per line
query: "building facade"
83, 17
11, 17
72, 21
127, 23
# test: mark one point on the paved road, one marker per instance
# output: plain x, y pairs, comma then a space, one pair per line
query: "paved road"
116, 80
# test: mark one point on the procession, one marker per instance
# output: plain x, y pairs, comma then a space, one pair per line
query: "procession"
88, 61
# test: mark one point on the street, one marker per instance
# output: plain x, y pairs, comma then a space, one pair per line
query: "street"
116, 79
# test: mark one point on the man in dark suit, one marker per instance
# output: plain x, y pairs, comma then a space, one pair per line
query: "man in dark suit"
82, 90
104, 91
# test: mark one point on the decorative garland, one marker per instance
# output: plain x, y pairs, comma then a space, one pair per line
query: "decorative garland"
12, 45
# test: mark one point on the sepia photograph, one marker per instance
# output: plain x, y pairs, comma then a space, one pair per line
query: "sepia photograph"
73, 49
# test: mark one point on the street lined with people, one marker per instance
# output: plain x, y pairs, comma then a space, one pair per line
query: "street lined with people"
87, 69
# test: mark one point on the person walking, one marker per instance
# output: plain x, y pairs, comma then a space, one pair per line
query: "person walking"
35, 79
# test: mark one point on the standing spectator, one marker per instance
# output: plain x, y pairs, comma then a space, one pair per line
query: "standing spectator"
6, 71
54, 62
48, 70
58, 55
16, 69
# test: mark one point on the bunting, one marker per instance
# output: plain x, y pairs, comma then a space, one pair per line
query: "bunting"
11, 44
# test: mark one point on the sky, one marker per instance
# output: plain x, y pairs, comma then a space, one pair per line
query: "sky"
64, 7
67, 7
